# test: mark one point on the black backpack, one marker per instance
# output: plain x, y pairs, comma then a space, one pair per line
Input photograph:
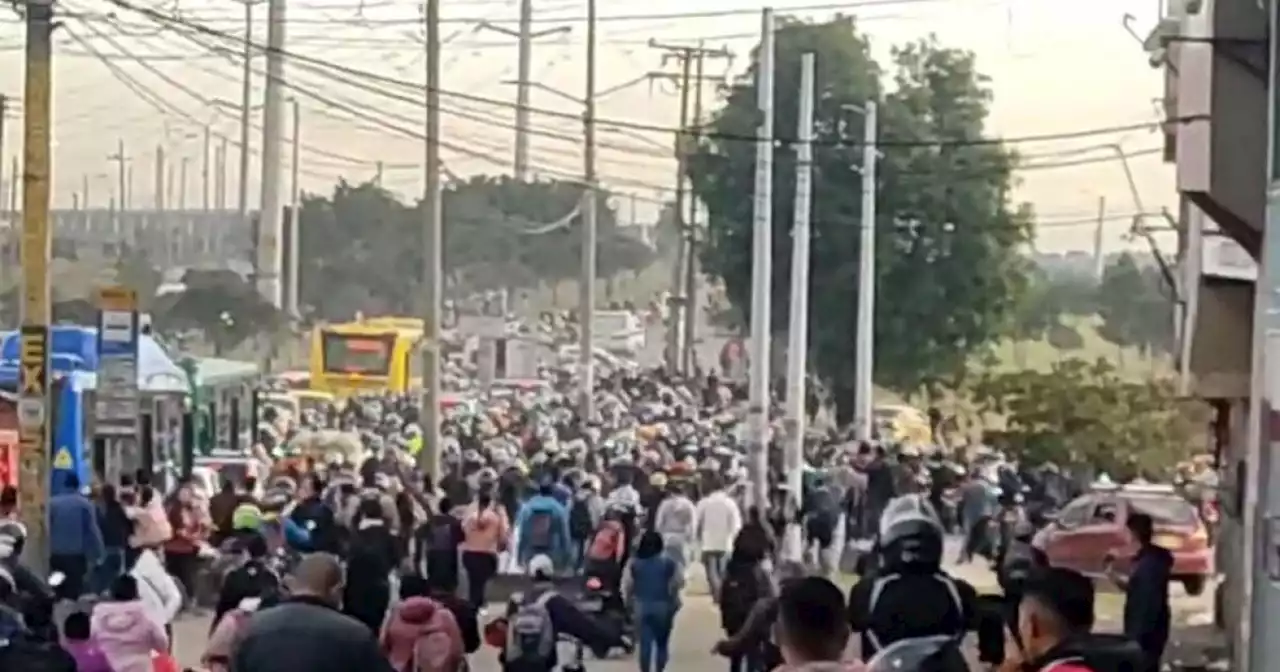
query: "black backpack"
739, 593
580, 523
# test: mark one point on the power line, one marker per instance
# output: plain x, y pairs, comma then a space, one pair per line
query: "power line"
939, 142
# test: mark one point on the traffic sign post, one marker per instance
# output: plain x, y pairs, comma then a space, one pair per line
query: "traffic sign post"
116, 405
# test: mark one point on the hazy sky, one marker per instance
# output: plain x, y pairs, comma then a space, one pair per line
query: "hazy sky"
1056, 67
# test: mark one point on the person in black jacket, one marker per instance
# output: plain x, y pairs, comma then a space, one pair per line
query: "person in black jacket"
373, 555
306, 632
254, 578
436, 544
314, 515
1146, 590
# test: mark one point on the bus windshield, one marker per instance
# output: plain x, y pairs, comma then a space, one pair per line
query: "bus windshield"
359, 354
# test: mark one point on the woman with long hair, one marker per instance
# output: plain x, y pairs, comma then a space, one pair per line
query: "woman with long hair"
486, 528
652, 582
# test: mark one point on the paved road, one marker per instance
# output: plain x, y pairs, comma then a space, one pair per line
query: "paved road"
697, 626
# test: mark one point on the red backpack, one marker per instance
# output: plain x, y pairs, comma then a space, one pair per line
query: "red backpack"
608, 542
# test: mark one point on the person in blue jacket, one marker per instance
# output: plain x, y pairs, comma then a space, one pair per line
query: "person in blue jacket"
542, 527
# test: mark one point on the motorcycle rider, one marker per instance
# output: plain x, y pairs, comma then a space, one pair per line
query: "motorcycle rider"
908, 595
540, 616
29, 587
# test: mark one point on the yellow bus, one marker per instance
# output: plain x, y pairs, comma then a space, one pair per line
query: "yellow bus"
367, 355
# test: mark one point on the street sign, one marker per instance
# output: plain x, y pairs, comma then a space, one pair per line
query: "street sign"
116, 405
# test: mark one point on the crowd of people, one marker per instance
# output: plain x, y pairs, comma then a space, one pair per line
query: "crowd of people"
371, 564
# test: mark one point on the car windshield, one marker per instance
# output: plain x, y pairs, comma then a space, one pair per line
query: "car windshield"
1165, 510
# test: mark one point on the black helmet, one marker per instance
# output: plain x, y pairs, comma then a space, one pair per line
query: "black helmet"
939, 653
910, 532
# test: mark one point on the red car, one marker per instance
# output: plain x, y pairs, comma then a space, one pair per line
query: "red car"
1089, 533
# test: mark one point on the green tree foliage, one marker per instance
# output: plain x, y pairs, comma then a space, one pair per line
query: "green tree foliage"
1135, 307
361, 248
220, 304
1085, 414
949, 273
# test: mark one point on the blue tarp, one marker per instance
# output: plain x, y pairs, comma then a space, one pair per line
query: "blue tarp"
75, 349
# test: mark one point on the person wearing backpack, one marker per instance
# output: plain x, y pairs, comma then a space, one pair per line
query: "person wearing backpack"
536, 619
583, 519
436, 542
745, 584
543, 528
652, 583
422, 635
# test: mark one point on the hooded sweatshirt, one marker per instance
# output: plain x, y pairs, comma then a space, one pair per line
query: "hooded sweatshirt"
128, 635
88, 655
222, 643
414, 619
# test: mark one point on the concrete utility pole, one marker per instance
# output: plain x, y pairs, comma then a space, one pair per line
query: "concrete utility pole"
206, 174
246, 106
34, 405
221, 180
1261, 551
432, 252
291, 302
758, 404
4, 111
270, 217
525, 35
679, 337
122, 164
1098, 261
798, 330
587, 283
182, 182
158, 200
864, 356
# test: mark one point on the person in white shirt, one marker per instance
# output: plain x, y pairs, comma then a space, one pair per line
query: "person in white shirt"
674, 520
717, 520
157, 589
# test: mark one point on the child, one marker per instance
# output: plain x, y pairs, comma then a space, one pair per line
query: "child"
77, 640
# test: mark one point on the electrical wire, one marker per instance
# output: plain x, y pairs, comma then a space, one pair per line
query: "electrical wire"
880, 143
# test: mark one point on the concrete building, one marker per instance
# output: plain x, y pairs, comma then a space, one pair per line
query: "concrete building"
1215, 54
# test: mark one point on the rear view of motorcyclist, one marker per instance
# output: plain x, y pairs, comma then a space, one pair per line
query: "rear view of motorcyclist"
29, 588
536, 620
909, 596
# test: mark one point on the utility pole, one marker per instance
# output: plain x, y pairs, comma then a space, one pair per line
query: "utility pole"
270, 216
291, 299
84, 191
246, 105
16, 171
864, 357
525, 36
4, 111
206, 175
1261, 589
679, 338
432, 253
34, 406
159, 179
122, 160
377, 173
182, 183
222, 175
761, 272
587, 284
798, 330
1098, 265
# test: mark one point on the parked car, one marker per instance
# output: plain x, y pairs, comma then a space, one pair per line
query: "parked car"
1090, 531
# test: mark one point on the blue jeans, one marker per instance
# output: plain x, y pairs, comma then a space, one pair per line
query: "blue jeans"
655, 625
108, 569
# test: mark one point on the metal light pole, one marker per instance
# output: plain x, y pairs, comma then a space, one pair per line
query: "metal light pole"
798, 331
433, 252
246, 105
762, 271
586, 330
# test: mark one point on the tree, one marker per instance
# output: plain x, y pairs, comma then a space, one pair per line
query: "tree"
948, 269
1133, 305
223, 306
361, 249
1084, 414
